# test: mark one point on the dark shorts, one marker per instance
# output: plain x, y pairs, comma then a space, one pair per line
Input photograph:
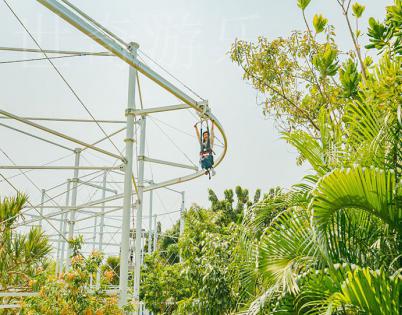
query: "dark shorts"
207, 162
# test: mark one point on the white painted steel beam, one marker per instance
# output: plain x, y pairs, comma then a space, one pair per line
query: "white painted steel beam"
154, 110
78, 120
56, 52
174, 164
97, 186
50, 167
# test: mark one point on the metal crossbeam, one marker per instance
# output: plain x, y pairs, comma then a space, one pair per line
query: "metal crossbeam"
97, 186
79, 120
153, 110
49, 167
57, 52
174, 164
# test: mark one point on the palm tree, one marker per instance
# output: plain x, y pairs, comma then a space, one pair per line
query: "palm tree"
23, 257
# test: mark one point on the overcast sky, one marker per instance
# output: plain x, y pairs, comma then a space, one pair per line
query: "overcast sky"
189, 38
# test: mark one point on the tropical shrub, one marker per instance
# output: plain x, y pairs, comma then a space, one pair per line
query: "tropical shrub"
70, 293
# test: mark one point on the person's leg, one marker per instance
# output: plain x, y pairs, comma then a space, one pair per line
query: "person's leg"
211, 164
204, 165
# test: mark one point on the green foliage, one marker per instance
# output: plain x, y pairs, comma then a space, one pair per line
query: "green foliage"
358, 9
319, 23
369, 189
350, 79
326, 61
362, 286
163, 284
206, 249
168, 244
205, 280
387, 35
302, 4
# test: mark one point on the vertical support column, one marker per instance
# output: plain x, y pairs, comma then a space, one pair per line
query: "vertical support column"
42, 201
64, 227
138, 227
61, 242
150, 222
91, 279
125, 233
71, 221
101, 227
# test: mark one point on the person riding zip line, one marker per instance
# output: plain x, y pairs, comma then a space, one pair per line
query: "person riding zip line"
206, 140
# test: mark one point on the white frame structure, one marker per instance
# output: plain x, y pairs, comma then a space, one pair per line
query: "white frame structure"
127, 52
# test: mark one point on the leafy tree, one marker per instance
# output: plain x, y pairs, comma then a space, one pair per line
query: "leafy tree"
168, 244
204, 280
163, 284
233, 212
207, 248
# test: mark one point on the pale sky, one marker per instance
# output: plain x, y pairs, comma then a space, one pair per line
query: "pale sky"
189, 38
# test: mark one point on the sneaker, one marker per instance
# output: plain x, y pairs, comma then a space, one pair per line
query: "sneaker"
213, 173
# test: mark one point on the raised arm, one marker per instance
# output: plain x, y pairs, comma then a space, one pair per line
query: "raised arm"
197, 133
212, 135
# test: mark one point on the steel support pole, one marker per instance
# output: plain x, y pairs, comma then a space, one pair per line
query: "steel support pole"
42, 201
101, 227
150, 222
94, 232
138, 228
128, 174
71, 222
64, 228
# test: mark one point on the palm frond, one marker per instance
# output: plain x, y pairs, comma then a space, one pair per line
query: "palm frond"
287, 248
369, 189
374, 292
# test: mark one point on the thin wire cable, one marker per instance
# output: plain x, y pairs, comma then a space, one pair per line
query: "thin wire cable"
61, 76
95, 23
164, 206
171, 140
170, 74
175, 128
